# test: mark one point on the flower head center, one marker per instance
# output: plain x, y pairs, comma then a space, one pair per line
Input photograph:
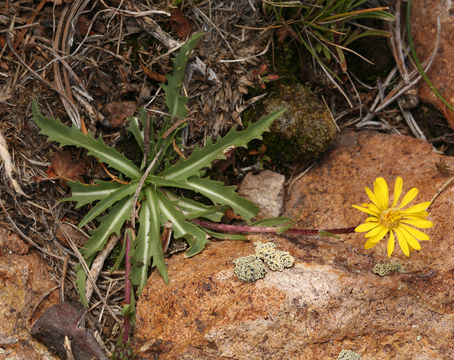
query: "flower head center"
390, 218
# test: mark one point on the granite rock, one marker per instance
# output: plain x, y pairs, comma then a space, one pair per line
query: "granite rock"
266, 190
330, 299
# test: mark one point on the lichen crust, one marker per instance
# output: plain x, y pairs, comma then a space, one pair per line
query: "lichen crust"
249, 268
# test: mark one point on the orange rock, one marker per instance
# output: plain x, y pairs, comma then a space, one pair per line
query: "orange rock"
11, 243
24, 279
330, 299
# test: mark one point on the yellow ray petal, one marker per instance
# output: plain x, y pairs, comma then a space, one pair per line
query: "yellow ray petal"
375, 208
409, 196
366, 226
390, 245
421, 214
367, 211
415, 232
418, 222
375, 231
372, 197
374, 240
402, 242
397, 190
417, 208
371, 219
410, 239
381, 192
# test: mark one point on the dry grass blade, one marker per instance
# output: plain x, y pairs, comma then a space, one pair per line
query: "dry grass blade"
380, 103
87, 271
98, 264
417, 132
8, 165
63, 36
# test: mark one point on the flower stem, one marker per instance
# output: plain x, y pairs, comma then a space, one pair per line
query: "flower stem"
266, 229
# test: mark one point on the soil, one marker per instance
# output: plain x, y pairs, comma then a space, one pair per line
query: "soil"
97, 63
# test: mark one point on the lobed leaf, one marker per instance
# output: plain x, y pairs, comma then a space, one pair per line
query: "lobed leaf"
148, 243
122, 192
174, 101
224, 236
223, 195
110, 223
194, 235
81, 280
203, 157
193, 209
85, 194
55, 130
134, 129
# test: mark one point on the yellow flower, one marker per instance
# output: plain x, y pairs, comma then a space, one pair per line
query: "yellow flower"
389, 218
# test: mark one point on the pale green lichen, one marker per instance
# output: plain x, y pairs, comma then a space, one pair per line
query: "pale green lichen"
387, 268
348, 355
264, 250
249, 268
252, 267
276, 260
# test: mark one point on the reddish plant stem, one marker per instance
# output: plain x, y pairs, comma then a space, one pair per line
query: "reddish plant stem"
266, 229
126, 323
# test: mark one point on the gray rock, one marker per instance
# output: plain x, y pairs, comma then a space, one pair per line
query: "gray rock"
266, 190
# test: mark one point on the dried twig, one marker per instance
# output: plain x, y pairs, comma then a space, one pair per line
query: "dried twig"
443, 188
98, 264
68, 350
63, 277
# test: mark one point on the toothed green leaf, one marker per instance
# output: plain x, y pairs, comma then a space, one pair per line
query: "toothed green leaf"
192, 209
203, 157
148, 242
85, 194
223, 195
120, 258
81, 280
107, 202
110, 223
134, 129
64, 135
195, 236
163, 182
174, 101
328, 234
225, 236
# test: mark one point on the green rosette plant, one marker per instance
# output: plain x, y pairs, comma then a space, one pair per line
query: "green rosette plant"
153, 186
